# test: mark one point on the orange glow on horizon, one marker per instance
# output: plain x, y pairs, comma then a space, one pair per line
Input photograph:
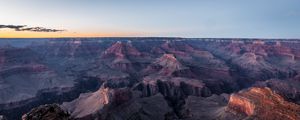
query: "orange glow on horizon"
25, 34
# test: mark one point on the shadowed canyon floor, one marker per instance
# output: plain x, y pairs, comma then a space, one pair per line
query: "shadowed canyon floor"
149, 78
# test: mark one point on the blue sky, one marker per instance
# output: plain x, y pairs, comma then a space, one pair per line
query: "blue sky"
181, 18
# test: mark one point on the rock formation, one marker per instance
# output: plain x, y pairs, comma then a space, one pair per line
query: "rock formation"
121, 103
263, 103
121, 50
122, 56
47, 112
168, 65
88, 105
172, 87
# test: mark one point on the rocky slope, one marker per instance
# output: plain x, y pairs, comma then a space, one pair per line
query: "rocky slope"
263, 103
90, 104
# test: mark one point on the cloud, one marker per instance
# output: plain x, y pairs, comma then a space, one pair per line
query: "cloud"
16, 27
32, 29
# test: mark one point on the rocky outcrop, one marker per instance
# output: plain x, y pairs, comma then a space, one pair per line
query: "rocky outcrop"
263, 103
120, 55
175, 88
121, 50
121, 103
47, 112
88, 105
168, 65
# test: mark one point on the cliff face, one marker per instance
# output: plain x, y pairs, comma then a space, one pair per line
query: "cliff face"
172, 87
262, 103
241, 104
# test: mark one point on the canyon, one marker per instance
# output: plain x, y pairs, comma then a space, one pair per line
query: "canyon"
149, 78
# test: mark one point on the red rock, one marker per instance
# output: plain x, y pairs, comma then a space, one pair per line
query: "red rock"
121, 50
121, 54
263, 104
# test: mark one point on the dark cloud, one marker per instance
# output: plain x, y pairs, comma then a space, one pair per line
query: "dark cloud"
16, 27
32, 29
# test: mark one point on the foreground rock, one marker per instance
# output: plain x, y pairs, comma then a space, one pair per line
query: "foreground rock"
47, 112
88, 105
263, 104
118, 103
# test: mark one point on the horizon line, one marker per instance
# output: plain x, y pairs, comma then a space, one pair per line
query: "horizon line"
152, 37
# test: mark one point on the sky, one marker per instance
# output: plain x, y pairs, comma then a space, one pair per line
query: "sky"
150, 18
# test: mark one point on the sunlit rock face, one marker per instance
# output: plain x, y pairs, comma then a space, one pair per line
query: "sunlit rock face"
263, 103
88, 105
